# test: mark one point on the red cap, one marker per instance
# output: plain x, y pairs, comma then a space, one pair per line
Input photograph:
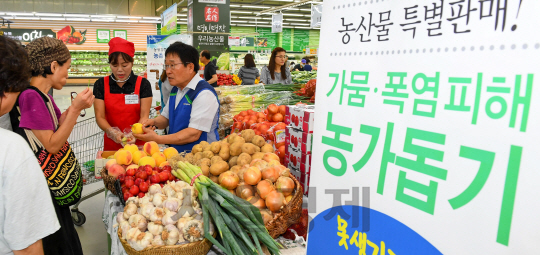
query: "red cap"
118, 44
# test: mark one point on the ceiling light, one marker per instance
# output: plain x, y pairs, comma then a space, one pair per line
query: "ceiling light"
156, 18
103, 16
72, 19
234, 5
101, 20
20, 13
183, 23
299, 24
241, 12
242, 21
49, 14
181, 15
29, 18
126, 21
53, 19
77, 15
183, 19
298, 20
255, 6
150, 21
305, 10
292, 14
128, 17
6, 17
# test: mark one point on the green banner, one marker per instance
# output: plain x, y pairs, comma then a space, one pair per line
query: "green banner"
286, 41
270, 40
301, 39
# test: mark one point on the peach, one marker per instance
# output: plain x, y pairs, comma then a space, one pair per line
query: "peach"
134, 166
270, 156
170, 152
150, 148
138, 155
147, 161
123, 157
159, 157
110, 163
115, 170
164, 164
131, 148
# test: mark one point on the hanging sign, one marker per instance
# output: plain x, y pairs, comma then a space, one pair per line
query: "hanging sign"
120, 33
277, 23
427, 140
103, 35
234, 40
316, 15
27, 35
168, 20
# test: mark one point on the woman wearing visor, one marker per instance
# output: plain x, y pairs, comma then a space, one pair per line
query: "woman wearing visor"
122, 98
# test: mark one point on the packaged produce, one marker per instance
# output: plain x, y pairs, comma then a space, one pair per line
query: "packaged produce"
299, 140
301, 117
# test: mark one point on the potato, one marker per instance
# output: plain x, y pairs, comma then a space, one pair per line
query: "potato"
204, 164
207, 154
196, 148
215, 147
258, 140
204, 143
198, 156
231, 137
215, 159
189, 157
236, 149
267, 148
224, 153
206, 148
213, 178
236, 169
257, 155
250, 148
218, 168
244, 159
238, 139
248, 134
233, 161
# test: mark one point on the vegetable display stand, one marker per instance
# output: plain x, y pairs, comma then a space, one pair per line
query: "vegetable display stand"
195, 248
85, 140
289, 214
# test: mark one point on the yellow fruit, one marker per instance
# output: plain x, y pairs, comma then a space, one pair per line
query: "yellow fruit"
137, 128
164, 164
159, 157
170, 152
138, 155
150, 148
147, 161
123, 157
131, 148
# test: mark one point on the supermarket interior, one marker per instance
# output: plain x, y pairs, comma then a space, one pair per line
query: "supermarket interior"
191, 127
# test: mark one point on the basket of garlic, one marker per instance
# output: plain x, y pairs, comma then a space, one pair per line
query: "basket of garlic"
150, 225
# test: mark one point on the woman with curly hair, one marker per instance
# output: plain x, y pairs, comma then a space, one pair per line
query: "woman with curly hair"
39, 121
26, 210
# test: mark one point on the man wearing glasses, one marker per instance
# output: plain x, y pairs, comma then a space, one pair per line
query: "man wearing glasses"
192, 112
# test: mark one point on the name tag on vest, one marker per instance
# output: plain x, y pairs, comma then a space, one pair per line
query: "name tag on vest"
132, 99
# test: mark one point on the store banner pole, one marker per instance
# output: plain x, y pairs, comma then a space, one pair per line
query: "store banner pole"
427, 128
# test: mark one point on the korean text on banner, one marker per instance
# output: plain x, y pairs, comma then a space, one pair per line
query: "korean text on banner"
277, 23
427, 128
168, 20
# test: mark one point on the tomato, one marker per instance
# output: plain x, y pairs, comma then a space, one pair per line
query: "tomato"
127, 195
141, 195
143, 187
163, 176
121, 178
130, 172
251, 112
281, 152
243, 113
129, 183
134, 190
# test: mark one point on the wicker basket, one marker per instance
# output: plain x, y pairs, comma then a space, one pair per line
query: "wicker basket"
109, 181
195, 248
289, 214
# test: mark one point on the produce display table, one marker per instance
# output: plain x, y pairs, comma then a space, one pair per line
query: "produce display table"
113, 206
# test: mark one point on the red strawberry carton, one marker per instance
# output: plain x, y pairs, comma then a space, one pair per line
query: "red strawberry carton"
297, 160
301, 117
298, 140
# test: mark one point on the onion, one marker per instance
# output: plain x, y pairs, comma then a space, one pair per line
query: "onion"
264, 188
283, 171
244, 191
273, 109
285, 185
270, 173
274, 163
288, 199
278, 117
266, 215
257, 202
228, 180
252, 175
274, 201
261, 164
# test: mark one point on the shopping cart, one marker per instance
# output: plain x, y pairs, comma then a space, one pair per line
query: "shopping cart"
85, 140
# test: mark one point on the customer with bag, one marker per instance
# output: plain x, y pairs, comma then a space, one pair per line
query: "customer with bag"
39, 121
26, 209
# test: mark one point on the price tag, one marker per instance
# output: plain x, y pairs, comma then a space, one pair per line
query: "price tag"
132, 99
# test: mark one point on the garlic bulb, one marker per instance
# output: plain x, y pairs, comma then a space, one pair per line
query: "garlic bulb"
170, 235
155, 229
155, 189
156, 215
138, 221
167, 218
133, 200
132, 234
129, 210
168, 191
146, 209
157, 241
196, 204
179, 186
143, 240
182, 222
120, 217
172, 204
146, 199
193, 231
158, 200
125, 228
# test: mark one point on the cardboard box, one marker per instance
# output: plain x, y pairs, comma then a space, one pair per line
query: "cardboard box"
299, 140
297, 160
301, 117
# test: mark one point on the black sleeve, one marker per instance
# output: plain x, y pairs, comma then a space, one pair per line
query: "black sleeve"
211, 70
99, 89
146, 89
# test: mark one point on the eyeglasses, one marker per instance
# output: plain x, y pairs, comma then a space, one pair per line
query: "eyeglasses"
73, 96
173, 66
283, 57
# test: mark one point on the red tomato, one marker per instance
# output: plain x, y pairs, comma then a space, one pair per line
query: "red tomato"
155, 178
121, 178
129, 183
163, 176
127, 195
134, 190
167, 168
138, 181
141, 195
130, 172
265, 111
143, 187
125, 189
281, 152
